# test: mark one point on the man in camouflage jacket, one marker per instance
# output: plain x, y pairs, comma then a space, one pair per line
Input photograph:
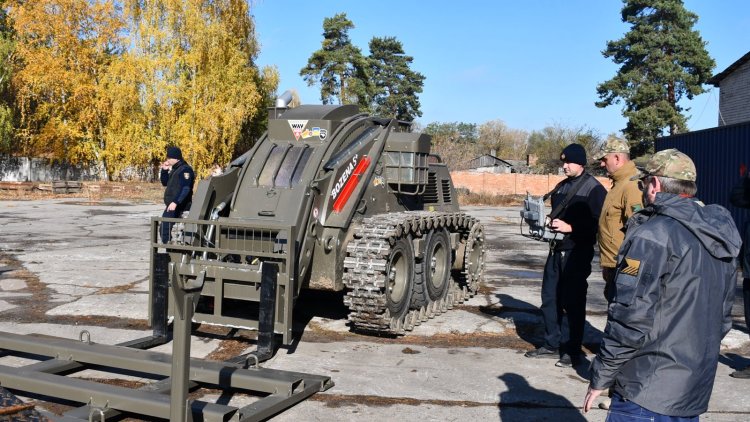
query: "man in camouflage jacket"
622, 201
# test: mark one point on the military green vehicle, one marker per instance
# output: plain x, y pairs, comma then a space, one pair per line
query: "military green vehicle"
328, 199
335, 200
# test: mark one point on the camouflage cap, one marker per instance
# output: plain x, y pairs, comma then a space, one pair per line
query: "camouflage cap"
671, 163
613, 145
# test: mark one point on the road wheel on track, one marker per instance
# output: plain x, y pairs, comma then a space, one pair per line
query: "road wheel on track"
419, 292
474, 257
399, 281
437, 264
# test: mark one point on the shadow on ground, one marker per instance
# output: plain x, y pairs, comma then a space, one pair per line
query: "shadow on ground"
527, 320
523, 402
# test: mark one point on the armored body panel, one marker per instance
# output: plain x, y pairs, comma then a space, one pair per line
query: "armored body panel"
338, 200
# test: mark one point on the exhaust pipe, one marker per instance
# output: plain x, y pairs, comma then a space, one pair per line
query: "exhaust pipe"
284, 100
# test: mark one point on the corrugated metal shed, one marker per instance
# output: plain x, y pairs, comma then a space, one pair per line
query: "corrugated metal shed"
718, 154
489, 161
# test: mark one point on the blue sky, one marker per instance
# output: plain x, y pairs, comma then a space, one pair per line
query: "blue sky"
530, 64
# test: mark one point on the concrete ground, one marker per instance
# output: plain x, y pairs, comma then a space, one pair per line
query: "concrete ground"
68, 265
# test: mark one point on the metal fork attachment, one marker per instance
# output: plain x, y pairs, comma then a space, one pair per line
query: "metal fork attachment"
172, 377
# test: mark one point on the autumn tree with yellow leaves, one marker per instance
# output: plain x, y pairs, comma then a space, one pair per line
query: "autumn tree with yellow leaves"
189, 80
62, 50
116, 82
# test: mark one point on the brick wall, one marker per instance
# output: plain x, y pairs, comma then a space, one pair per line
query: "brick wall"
510, 183
734, 96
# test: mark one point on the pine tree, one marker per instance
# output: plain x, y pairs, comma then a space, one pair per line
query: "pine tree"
662, 59
395, 85
339, 66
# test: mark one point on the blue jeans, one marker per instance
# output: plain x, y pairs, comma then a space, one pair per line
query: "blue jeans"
622, 410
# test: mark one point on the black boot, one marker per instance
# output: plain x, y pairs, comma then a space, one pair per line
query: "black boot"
742, 373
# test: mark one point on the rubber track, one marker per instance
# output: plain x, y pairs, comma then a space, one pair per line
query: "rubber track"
365, 269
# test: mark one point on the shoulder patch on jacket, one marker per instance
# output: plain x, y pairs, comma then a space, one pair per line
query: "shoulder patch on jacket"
636, 207
631, 267
186, 175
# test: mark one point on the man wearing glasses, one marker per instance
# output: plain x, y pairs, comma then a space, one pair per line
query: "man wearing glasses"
674, 290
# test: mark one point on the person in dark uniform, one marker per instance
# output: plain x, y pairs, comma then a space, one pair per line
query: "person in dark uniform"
576, 205
178, 177
740, 197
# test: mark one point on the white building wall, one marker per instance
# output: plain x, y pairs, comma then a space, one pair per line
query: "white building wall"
21, 169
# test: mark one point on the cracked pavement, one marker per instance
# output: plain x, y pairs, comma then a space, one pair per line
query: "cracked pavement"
68, 265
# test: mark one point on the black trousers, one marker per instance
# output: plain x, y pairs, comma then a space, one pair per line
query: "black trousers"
166, 228
745, 262
564, 289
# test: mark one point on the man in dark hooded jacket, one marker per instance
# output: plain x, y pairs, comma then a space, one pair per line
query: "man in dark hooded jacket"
674, 290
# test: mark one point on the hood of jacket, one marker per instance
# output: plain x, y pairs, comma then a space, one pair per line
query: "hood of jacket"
711, 224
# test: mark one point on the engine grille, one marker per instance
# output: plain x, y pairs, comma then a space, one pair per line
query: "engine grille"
446, 185
431, 190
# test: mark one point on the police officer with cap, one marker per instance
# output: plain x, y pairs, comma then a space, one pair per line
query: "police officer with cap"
178, 177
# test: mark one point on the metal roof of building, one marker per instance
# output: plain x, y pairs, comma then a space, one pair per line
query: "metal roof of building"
716, 79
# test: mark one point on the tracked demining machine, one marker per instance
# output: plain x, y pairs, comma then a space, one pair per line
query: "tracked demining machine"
335, 200
328, 199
